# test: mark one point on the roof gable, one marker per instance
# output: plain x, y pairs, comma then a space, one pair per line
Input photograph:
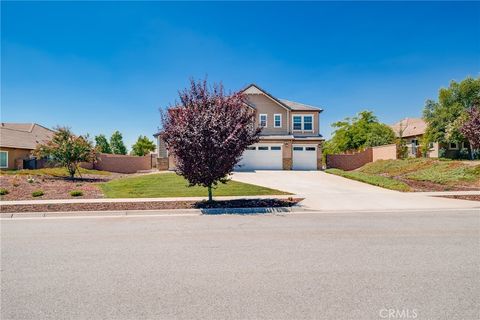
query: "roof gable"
254, 89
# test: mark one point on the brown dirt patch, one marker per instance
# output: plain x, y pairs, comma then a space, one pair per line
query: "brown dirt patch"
421, 186
157, 205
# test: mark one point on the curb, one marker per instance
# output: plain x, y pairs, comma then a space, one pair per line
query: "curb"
164, 212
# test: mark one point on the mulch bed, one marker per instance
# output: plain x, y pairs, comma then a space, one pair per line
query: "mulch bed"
466, 197
157, 205
53, 187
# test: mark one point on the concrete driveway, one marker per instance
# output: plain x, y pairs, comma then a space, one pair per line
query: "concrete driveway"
323, 191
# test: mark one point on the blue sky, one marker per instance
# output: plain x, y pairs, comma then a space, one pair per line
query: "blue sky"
101, 66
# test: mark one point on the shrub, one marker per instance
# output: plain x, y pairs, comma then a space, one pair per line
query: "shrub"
442, 152
30, 180
3, 191
37, 193
76, 193
464, 154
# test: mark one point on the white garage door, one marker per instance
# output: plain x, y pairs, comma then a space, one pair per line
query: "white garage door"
304, 157
261, 157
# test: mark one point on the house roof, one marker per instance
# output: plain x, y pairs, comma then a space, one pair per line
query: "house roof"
23, 135
410, 126
287, 104
297, 106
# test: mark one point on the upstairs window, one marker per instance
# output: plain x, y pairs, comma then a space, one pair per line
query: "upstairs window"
302, 123
277, 120
308, 123
297, 123
263, 120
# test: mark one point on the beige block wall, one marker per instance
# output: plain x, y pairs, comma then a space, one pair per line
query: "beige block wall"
14, 154
385, 152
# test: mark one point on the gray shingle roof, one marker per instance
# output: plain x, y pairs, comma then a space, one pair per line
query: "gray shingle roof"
23, 135
297, 106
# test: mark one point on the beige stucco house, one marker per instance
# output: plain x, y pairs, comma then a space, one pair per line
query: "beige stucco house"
412, 130
290, 137
18, 140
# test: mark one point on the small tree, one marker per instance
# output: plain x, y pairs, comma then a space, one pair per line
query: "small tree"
471, 129
116, 143
102, 145
67, 150
402, 149
143, 146
208, 132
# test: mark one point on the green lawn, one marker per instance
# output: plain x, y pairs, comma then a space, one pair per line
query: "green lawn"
173, 185
372, 179
431, 170
55, 172
397, 174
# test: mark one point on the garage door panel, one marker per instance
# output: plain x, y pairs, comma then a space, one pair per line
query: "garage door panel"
304, 157
261, 157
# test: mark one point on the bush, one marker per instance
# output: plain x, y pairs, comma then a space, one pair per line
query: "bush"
76, 193
476, 154
37, 193
442, 152
3, 191
464, 154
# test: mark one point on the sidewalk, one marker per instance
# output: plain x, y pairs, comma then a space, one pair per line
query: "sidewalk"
109, 200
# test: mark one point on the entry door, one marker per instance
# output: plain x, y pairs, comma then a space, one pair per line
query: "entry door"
304, 157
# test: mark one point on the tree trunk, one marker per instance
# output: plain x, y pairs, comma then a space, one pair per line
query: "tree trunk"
210, 194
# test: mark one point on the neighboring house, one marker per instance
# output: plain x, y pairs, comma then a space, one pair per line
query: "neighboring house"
413, 129
17, 140
290, 138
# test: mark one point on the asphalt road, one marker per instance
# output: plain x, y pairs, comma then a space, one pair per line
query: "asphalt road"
424, 265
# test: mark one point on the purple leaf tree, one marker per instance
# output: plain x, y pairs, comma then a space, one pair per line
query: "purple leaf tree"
207, 132
471, 127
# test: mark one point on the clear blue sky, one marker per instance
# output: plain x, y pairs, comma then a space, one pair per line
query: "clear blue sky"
97, 67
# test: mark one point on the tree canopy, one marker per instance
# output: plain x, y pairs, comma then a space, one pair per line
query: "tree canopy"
102, 145
116, 143
67, 149
207, 132
143, 146
446, 116
361, 131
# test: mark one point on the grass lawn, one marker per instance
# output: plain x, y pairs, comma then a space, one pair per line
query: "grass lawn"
418, 174
430, 170
372, 179
55, 172
173, 185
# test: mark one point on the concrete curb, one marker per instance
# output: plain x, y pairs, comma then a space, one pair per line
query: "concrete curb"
165, 212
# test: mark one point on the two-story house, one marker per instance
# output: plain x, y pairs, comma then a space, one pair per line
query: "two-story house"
290, 137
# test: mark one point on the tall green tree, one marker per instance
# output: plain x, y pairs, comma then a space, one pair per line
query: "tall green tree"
361, 131
446, 116
116, 143
143, 146
67, 149
102, 145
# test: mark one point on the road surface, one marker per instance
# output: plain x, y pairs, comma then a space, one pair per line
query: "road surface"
294, 266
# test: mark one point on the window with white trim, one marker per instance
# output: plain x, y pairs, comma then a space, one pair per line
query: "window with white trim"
453, 146
262, 148
275, 148
263, 120
277, 120
302, 122
3, 159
